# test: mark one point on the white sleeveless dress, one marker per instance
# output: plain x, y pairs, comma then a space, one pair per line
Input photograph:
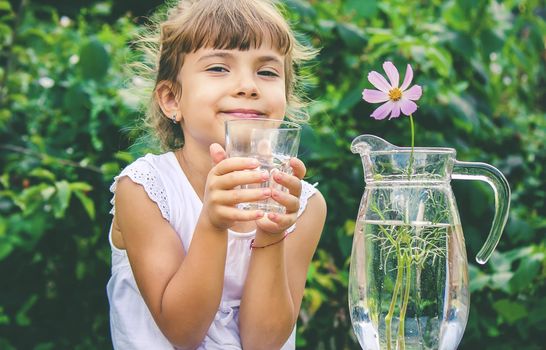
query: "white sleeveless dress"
131, 323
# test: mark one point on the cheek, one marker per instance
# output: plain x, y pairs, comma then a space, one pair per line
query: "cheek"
278, 100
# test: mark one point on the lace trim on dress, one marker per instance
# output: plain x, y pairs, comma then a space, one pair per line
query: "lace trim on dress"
141, 172
307, 190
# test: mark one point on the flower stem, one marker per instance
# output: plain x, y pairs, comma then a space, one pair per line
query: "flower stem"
410, 166
397, 285
401, 325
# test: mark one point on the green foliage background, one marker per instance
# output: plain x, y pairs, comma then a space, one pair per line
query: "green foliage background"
65, 116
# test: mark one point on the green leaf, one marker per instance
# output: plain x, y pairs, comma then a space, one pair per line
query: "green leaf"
76, 100
6, 248
314, 298
110, 169
124, 157
4, 319
80, 270
5, 5
43, 174
440, 59
501, 281
509, 310
526, 272
80, 186
536, 312
61, 199
351, 35
350, 100
311, 271
303, 8
94, 60
478, 279
500, 262
363, 8
349, 227
87, 203
21, 318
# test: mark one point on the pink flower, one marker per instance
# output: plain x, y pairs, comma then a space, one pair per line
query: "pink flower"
397, 99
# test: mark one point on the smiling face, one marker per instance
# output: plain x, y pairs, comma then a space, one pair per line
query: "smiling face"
218, 85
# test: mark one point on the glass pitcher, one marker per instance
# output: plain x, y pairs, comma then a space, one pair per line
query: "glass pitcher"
408, 284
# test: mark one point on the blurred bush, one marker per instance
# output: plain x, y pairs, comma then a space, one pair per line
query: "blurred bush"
65, 130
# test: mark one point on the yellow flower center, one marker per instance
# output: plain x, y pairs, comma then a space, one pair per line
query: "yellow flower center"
395, 94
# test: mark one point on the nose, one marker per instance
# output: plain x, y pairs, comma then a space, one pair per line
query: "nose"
247, 87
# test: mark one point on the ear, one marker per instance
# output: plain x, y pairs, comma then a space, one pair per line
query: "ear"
166, 98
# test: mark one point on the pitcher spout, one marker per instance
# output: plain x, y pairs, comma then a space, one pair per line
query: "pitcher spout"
364, 144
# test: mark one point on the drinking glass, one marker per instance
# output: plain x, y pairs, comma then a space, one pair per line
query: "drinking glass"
272, 142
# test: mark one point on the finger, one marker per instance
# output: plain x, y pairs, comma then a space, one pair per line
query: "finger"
291, 182
272, 227
282, 220
290, 202
252, 178
298, 168
231, 164
232, 214
217, 153
239, 195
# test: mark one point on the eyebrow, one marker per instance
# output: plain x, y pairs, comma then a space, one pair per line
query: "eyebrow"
261, 59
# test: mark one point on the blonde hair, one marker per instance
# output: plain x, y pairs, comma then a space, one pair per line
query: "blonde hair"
220, 24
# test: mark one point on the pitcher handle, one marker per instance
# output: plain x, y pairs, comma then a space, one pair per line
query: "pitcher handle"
491, 175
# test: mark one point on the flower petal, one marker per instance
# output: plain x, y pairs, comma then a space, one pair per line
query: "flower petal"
413, 93
407, 106
379, 81
395, 110
392, 73
407, 78
382, 111
374, 96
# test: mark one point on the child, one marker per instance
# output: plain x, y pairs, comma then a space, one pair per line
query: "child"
189, 269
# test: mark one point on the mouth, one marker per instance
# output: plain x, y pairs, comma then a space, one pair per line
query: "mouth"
244, 113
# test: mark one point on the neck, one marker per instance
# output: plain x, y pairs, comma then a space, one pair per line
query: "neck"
196, 164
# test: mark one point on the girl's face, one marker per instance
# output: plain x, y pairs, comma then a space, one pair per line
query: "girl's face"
219, 85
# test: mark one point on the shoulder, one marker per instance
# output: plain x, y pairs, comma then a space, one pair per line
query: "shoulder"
146, 164
317, 204
143, 177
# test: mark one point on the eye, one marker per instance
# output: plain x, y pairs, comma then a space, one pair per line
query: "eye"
217, 69
268, 73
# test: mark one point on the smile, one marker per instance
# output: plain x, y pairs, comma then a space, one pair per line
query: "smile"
244, 113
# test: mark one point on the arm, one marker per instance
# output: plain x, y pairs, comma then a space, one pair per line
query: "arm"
276, 279
182, 291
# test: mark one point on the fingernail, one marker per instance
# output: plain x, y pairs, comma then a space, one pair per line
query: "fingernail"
259, 214
254, 162
265, 175
267, 192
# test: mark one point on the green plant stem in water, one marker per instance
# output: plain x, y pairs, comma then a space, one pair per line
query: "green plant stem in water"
410, 166
397, 285
401, 325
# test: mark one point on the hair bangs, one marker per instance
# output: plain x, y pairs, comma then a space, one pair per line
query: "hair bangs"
231, 27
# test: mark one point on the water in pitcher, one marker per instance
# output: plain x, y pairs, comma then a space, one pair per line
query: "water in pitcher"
409, 272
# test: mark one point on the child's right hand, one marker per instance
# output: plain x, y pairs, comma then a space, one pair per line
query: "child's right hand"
221, 196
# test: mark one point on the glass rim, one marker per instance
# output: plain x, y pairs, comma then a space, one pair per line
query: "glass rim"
289, 125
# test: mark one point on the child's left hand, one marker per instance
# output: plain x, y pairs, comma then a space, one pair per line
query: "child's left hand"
277, 223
